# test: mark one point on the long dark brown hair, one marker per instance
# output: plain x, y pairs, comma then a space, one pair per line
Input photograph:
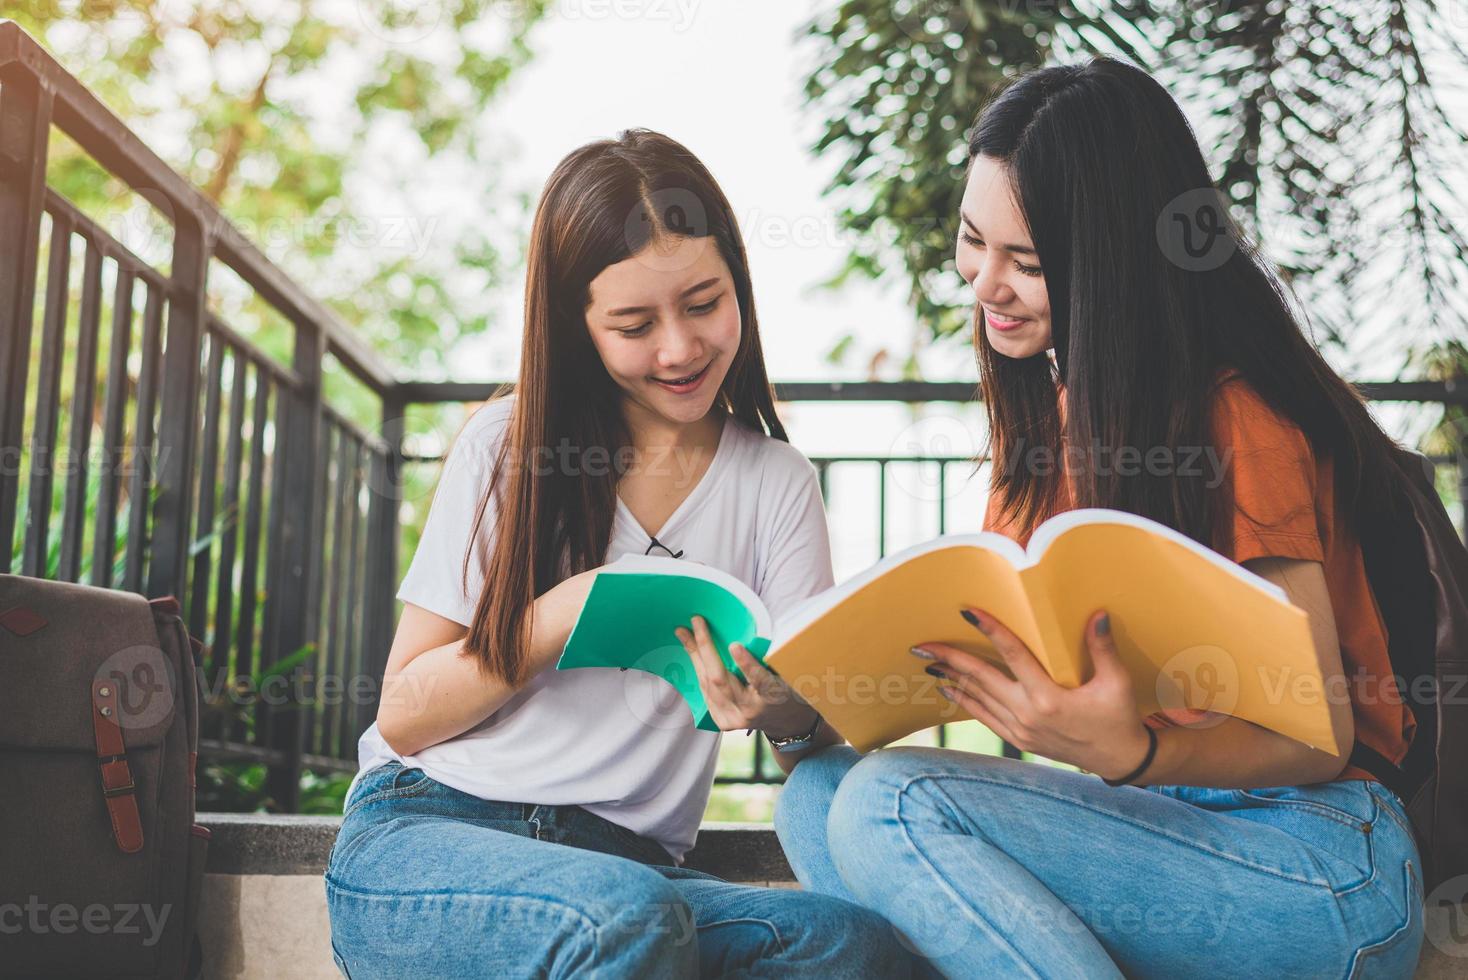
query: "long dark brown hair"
1096, 153
603, 204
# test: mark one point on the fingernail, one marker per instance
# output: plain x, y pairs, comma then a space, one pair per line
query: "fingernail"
972, 619
1103, 625
946, 692
935, 672
920, 653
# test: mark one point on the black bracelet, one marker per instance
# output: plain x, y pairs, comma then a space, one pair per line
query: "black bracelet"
1146, 761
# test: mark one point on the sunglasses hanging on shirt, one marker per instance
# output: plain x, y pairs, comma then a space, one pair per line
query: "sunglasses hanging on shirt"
658, 544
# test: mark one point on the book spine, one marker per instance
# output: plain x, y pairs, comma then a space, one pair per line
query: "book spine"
1061, 655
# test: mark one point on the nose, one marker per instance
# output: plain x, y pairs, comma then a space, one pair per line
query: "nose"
990, 285
681, 346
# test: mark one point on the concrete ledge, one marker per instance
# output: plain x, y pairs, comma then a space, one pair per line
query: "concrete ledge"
271, 844
263, 912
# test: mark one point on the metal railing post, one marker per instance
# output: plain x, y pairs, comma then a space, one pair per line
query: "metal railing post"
25, 123
293, 592
383, 531
179, 417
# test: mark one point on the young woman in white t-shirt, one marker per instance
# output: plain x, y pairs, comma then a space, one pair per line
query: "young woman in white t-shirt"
510, 819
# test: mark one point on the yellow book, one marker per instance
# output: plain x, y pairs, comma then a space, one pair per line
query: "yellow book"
1195, 629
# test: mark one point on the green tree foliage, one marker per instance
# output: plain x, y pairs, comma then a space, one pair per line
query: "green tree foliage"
1324, 122
278, 110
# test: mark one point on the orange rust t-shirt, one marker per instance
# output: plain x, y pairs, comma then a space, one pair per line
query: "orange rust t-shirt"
1284, 506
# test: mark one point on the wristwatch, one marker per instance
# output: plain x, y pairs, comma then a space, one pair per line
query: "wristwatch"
796, 743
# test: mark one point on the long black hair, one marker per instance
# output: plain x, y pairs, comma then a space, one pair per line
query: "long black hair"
1098, 154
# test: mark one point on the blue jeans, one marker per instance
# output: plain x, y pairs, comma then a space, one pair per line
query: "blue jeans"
990, 867
427, 881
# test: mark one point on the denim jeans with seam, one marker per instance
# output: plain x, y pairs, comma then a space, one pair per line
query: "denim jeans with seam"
427, 881
993, 867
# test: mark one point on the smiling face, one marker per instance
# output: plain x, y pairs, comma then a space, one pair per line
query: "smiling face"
997, 258
666, 323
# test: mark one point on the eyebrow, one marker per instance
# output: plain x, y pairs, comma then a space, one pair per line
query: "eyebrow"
1020, 249
683, 295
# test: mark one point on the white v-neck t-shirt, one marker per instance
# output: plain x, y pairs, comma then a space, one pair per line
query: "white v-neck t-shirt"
619, 743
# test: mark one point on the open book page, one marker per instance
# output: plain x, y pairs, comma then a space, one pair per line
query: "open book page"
1195, 629
687, 568
817, 605
637, 602
847, 652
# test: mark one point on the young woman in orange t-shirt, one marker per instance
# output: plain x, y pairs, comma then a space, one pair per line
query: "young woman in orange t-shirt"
1181, 388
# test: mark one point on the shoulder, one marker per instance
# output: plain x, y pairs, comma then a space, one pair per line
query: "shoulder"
1241, 417
775, 463
479, 438
1269, 474
1235, 399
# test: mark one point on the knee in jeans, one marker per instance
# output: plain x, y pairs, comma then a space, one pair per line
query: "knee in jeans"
811, 784
862, 937
869, 789
862, 829
636, 905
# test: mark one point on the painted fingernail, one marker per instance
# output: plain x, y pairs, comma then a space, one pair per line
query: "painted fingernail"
1103, 625
947, 692
973, 620
935, 672
920, 653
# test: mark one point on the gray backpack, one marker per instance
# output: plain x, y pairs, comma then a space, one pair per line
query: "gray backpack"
99, 728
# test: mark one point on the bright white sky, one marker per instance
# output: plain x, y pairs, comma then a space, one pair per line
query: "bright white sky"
723, 78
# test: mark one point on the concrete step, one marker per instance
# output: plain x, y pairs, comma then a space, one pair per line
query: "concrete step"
264, 906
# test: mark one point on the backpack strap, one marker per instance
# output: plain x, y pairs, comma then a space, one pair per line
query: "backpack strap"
118, 791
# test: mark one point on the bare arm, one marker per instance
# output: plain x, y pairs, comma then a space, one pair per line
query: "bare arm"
432, 692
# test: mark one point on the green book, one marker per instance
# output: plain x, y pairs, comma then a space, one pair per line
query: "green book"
637, 602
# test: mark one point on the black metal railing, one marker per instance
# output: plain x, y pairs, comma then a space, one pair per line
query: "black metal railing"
216, 472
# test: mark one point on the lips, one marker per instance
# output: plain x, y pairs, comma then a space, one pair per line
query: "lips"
686, 383
999, 322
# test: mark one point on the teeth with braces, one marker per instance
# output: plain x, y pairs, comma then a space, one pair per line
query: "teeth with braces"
682, 381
